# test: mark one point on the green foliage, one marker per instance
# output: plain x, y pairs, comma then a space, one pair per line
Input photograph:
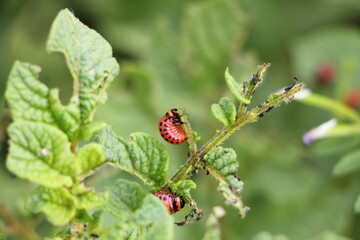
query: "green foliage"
40, 153
56, 203
328, 235
28, 97
88, 158
139, 215
125, 198
337, 108
174, 54
224, 111
184, 187
206, 47
88, 199
213, 231
45, 134
90, 61
219, 162
348, 164
222, 164
2, 236
236, 89
340, 135
143, 155
268, 236
329, 146
95, 224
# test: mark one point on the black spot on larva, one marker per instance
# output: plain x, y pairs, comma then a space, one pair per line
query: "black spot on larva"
182, 203
165, 129
160, 197
165, 125
162, 135
160, 129
161, 123
166, 133
165, 198
175, 206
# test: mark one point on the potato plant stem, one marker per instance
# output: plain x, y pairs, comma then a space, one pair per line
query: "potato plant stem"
242, 119
225, 133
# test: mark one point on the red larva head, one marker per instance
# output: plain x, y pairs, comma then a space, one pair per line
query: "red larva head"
172, 202
325, 73
170, 127
352, 99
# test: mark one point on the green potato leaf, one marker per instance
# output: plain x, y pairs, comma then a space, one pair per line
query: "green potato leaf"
57, 204
144, 223
89, 58
31, 100
348, 164
235, 88
222, 164
89, 157
125, 198
143, 156
224, 111
40, 153
86, 198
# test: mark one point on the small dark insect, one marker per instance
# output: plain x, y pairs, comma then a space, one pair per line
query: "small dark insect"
255, 79
195, 171
172, 202
71, 10
237, 177
292, 85
6, 104
170, 127
202, 155
269, 109
232, 188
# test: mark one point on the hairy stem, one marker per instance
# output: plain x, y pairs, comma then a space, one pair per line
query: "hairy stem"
17, 227
215, 141
275, 99
251, 85
189, 133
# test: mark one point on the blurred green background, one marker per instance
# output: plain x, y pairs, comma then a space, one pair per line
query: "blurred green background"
174, 54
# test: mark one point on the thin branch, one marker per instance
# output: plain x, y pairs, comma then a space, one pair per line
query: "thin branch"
15, 225
275, 99
251, 85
